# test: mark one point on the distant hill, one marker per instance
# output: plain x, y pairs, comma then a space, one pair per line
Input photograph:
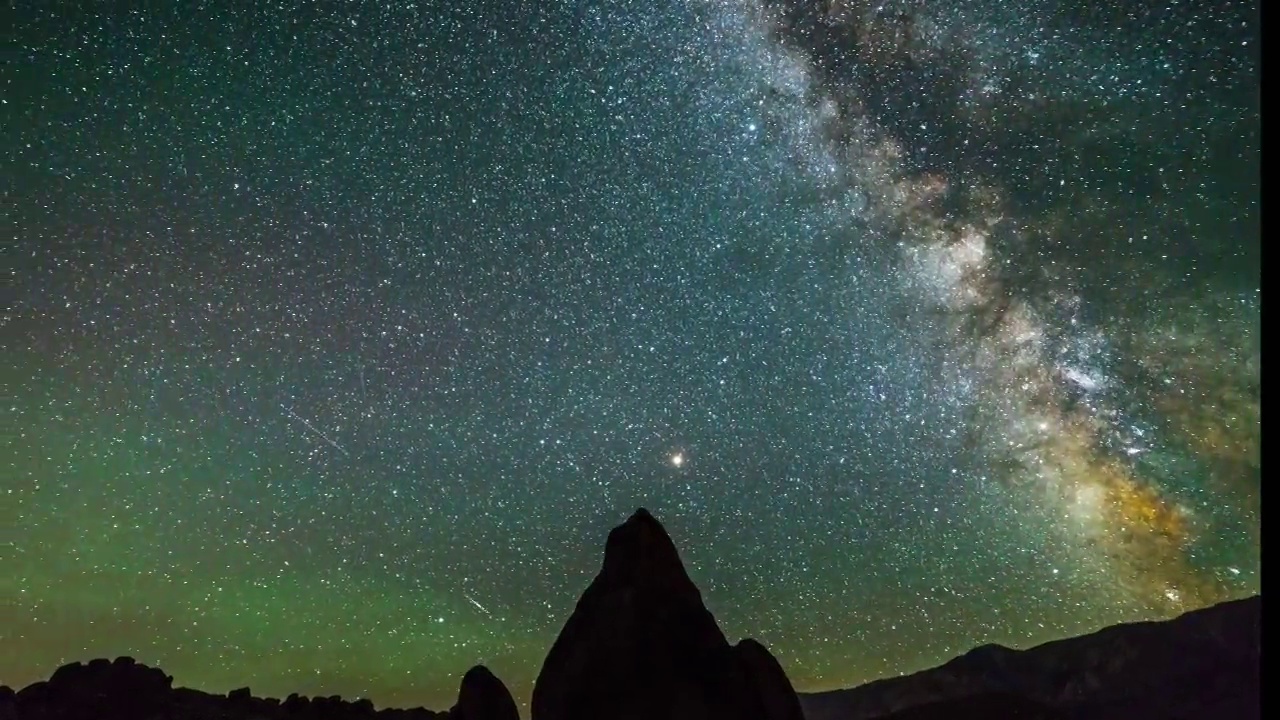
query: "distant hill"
1203, 665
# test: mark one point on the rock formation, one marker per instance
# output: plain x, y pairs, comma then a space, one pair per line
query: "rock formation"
641, 644
126, 690
482, 696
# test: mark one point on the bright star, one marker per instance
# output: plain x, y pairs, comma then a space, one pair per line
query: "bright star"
678, 459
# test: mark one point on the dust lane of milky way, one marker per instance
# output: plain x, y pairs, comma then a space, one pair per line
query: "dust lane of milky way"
342, 333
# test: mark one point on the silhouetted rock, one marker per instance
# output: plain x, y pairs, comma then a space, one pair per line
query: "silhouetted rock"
1203, 665
126, 690
8, 703
482, 696
295, 704
641, 644
77, 691
768, 681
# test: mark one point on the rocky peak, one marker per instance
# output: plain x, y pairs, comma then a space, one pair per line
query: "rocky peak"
641, 644
640, 555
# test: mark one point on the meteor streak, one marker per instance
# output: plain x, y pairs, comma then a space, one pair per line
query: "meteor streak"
475, 602
315, 430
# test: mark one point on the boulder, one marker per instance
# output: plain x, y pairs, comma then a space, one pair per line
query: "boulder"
482, 696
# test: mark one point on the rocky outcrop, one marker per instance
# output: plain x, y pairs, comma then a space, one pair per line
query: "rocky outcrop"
769, 682
125, 690
1203, 665
482, 696
81, 691
641, 644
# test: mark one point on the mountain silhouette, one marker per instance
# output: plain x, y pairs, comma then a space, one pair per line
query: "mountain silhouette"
1203, 665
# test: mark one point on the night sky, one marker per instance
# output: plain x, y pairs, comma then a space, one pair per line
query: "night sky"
337, 336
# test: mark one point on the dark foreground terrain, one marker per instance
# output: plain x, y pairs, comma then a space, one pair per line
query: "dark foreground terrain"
1200, 666
642, 646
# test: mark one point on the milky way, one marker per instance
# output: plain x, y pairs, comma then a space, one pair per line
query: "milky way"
343, 334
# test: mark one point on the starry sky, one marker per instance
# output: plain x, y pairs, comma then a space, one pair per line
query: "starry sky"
338, 335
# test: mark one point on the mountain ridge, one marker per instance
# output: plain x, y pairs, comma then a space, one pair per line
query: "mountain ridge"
1201, 664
